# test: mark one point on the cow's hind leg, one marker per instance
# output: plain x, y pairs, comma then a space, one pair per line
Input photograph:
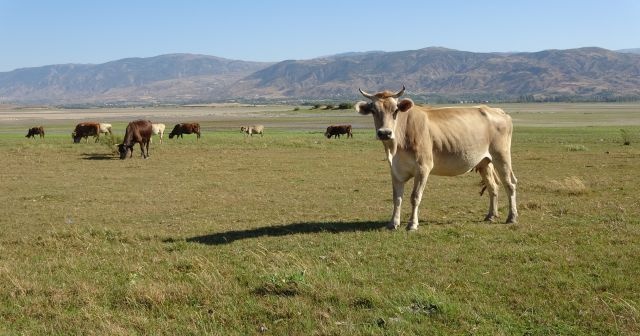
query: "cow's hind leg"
145, 154
489, 182
509, 181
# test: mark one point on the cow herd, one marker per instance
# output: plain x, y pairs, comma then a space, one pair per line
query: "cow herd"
418, 141
141, 131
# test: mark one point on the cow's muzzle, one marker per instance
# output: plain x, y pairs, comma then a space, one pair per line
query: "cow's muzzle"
384, 134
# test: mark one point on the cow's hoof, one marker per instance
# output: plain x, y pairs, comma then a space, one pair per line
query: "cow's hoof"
392, 226
490, 218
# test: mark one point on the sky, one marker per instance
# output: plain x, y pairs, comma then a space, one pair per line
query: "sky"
37, 33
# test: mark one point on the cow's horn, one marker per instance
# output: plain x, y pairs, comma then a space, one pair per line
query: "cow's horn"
400, 93
367, 95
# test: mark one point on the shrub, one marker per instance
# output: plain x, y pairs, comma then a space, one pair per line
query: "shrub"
626, 138
576, 148
111, 141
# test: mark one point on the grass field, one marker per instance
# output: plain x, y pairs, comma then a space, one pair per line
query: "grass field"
284, 234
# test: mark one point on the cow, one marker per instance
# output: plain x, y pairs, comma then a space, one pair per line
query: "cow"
138, 131
158, 129
337, 130
33, 131
105, 128
85, 130
186, 128
253, 129
451, 141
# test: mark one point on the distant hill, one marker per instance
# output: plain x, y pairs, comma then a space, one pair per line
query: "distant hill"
630, 51
438, 72
166, 78
429, 74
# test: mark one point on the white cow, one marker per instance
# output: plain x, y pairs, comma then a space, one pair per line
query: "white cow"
449, 141
253, 129
105, 128
158, 129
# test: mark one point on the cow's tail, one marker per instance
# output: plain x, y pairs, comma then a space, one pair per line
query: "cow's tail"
514, 180
488, 174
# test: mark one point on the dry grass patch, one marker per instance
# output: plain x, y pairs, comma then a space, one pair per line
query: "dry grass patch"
285, 235
572, 186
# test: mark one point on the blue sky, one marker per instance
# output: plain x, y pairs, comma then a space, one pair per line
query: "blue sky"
36, 33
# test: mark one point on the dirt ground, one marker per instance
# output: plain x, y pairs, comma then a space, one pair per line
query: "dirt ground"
20, 115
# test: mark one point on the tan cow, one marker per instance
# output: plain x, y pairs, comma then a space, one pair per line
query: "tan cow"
105, 128
448, 141
251, 130
158, 129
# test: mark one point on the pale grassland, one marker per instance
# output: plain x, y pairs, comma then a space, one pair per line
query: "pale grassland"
284, 234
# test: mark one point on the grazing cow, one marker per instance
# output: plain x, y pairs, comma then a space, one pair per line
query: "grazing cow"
337, 130
105, 128
449, 141
31, 133
253, 129
138, 131
158, 129
85, 130
187, 128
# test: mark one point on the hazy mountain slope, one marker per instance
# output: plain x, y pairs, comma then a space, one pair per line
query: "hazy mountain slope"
163, 77
438, 71
585, 73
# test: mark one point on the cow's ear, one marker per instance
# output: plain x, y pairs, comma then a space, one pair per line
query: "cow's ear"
363, 108
405, 105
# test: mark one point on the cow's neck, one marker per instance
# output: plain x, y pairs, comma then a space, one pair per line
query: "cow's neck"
399, 141
128, 138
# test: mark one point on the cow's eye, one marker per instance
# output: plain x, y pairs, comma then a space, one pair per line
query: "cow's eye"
395, 114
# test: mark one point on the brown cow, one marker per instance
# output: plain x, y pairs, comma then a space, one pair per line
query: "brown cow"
31, 133
337, 130
85, 130
138, 131
449, 141
185, 128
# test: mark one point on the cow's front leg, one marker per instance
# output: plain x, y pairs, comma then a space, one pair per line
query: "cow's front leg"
419, 182
398, 191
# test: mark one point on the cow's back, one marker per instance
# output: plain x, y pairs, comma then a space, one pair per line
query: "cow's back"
141, 128
256, 129
157, 128
87, 129
456, 138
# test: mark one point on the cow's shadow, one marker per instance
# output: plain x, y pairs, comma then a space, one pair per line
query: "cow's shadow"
98, 156
227, 237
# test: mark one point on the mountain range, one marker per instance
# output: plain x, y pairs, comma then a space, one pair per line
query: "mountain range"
430, 74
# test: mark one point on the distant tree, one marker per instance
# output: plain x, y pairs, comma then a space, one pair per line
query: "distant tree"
345, 106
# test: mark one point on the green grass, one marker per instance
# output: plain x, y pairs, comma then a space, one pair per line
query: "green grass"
285, 234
